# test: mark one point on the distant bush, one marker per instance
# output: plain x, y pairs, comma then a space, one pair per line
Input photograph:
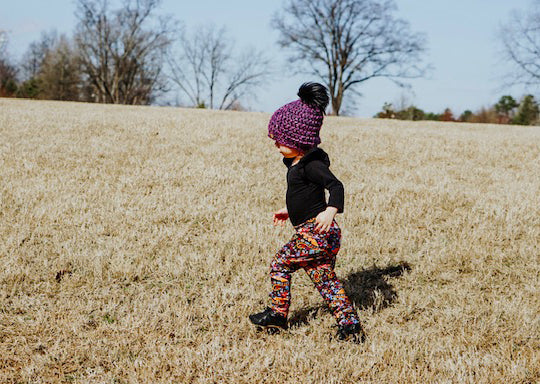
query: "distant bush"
506, 111
29, 89
486, 116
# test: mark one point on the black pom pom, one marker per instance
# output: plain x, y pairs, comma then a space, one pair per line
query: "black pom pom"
314, 94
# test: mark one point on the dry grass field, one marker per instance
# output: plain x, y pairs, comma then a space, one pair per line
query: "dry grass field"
135, 241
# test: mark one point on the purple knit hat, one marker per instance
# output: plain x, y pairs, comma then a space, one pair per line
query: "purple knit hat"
297, 124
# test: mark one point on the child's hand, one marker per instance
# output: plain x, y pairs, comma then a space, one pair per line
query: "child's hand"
281, 216
325, 218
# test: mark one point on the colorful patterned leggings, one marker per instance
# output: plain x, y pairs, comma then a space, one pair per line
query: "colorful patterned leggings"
316, 254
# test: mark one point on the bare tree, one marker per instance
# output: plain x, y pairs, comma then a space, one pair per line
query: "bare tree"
8, 72
35, 54
209, 74
123, 51
347, 42
250, 72
520, 39
59, 72
51, 69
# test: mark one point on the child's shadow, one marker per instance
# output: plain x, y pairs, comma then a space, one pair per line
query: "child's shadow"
366, 289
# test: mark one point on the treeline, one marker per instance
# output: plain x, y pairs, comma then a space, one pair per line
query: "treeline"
132, 55
135, 55
506, 111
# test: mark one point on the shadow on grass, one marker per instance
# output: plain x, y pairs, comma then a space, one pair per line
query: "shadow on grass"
367, 288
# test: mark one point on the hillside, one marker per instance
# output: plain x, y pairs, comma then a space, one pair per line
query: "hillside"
135, 241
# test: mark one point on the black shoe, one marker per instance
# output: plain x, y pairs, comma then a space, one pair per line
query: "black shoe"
269, 320
351, 332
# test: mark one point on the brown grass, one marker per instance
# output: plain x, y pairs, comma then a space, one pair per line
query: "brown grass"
135, 241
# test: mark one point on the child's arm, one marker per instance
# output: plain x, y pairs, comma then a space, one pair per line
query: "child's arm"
325, 218
319, 173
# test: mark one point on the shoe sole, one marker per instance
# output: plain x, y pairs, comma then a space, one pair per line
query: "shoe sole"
355, 338
270, 329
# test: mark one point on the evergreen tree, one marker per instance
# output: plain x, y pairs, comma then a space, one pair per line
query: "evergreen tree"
528, 111
466, 116
505, 108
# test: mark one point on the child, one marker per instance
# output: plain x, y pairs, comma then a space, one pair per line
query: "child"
295, 129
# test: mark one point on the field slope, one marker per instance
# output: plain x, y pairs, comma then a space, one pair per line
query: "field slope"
135, 241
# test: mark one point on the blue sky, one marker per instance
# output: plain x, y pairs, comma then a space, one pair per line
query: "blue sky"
463, 46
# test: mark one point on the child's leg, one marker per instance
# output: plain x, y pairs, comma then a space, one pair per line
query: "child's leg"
331, 289
316, 253
321, 272
280, 275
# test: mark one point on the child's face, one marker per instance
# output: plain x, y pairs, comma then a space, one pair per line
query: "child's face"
287, 152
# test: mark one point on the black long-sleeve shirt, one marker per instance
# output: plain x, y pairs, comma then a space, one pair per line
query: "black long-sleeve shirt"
306, 182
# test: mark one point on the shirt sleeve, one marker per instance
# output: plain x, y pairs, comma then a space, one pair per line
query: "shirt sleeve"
319, 173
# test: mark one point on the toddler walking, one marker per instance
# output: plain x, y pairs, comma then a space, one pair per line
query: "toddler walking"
295, 129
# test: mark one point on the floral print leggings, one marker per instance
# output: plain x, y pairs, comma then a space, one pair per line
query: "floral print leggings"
316, 254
